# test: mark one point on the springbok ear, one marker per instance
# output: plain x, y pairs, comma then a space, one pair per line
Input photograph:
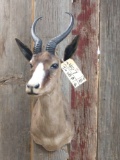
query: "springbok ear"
24, 49
71, 48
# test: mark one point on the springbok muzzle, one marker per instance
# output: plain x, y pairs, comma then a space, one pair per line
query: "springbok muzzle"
36, 81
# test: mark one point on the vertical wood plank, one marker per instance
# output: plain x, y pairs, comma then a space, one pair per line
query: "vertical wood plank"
54, 22
84, 98
15, 21
109, 85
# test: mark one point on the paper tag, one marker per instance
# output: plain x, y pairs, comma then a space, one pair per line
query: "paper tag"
73, 72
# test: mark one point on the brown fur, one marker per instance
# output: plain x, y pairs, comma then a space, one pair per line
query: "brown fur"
51, 123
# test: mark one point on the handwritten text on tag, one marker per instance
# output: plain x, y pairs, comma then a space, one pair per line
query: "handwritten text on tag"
73, 72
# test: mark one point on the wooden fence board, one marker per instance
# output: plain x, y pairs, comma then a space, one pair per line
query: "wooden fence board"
14, 126
109, 87
84, 98
53, 23
15, 20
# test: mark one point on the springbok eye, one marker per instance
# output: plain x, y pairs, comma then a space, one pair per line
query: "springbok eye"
54, 66
31, 65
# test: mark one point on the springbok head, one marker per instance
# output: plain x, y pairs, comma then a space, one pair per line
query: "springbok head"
45, 66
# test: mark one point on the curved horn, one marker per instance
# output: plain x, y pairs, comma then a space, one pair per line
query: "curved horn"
53, 42
37, 40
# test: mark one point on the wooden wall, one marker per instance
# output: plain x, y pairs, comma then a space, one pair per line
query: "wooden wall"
95, 110
15, 21
84, 98
109, 87
54, 22
15, 108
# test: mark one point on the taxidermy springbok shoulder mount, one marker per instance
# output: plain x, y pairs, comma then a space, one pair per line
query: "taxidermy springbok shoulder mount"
51, 122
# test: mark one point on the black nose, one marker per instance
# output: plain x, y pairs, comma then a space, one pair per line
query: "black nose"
33, 86
36, 86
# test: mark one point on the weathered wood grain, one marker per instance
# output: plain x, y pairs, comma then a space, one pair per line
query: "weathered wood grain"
14, 123
53, 23
15, 21
109, 85
84, 98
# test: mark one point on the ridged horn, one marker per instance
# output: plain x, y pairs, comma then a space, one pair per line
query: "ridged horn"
55, 41
38, 42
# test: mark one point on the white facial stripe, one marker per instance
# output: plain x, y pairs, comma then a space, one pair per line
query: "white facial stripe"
38, 75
